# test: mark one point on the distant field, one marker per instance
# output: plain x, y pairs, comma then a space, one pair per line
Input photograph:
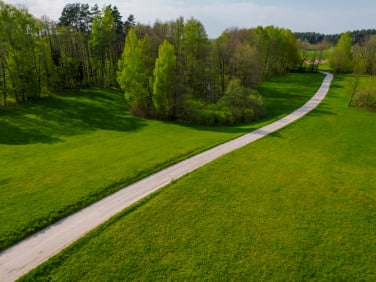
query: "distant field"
297, 205
62, 153
325, 55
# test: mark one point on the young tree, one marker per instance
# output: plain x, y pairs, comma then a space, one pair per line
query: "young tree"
341, 60
102, 34
133, 75
164, 77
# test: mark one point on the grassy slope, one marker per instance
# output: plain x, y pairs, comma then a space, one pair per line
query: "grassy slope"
298, 205
63, 153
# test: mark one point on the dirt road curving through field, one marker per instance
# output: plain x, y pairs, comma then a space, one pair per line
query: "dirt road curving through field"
29, 253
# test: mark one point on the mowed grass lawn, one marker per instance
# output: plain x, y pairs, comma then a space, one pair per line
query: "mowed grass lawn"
63, 153
295, 206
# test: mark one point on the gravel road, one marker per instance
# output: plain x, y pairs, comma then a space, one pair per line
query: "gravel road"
29, 253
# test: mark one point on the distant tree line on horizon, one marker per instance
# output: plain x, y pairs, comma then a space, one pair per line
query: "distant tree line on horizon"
357, 36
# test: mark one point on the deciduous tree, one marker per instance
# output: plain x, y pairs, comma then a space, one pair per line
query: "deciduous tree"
341, 60
164, 78
134, 76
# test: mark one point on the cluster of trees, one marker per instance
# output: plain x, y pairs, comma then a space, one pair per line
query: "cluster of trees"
173, 71
38, 57
170, 70
364, 60
359, 59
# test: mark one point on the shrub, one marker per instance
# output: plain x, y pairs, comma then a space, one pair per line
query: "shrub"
238, 105
365, 99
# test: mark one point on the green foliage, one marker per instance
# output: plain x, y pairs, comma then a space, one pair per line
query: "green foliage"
134, 76
364, 56
61, 157
102, 39
102, 34
238, 105
297, 205
38, 57
25, 58
198, 112
341, 60
195, 45
76, 16
164, 77
364, 94
204, 69
87, 45
357, 36
244, 104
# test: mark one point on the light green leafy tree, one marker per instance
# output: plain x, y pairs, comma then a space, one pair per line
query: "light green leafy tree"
102, 39
102, 33
341, 60
164, 76
133, 75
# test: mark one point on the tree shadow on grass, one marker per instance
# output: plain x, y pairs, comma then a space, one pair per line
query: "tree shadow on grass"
51, 119
321, 112
220, 129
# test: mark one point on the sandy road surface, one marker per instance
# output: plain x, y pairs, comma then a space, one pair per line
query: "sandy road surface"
29, 253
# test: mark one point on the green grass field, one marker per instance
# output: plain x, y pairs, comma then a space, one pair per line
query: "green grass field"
298, 205
62, 153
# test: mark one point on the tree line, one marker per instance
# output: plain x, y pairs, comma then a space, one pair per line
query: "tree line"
172, 70
40, 56
357, 36
168, 70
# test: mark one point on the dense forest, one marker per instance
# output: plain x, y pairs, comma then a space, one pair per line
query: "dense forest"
169, 70
39, 57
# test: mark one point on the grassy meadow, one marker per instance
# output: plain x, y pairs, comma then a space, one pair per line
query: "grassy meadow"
297, 205
62, 153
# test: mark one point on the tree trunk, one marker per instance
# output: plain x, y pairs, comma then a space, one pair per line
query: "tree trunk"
4, 82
